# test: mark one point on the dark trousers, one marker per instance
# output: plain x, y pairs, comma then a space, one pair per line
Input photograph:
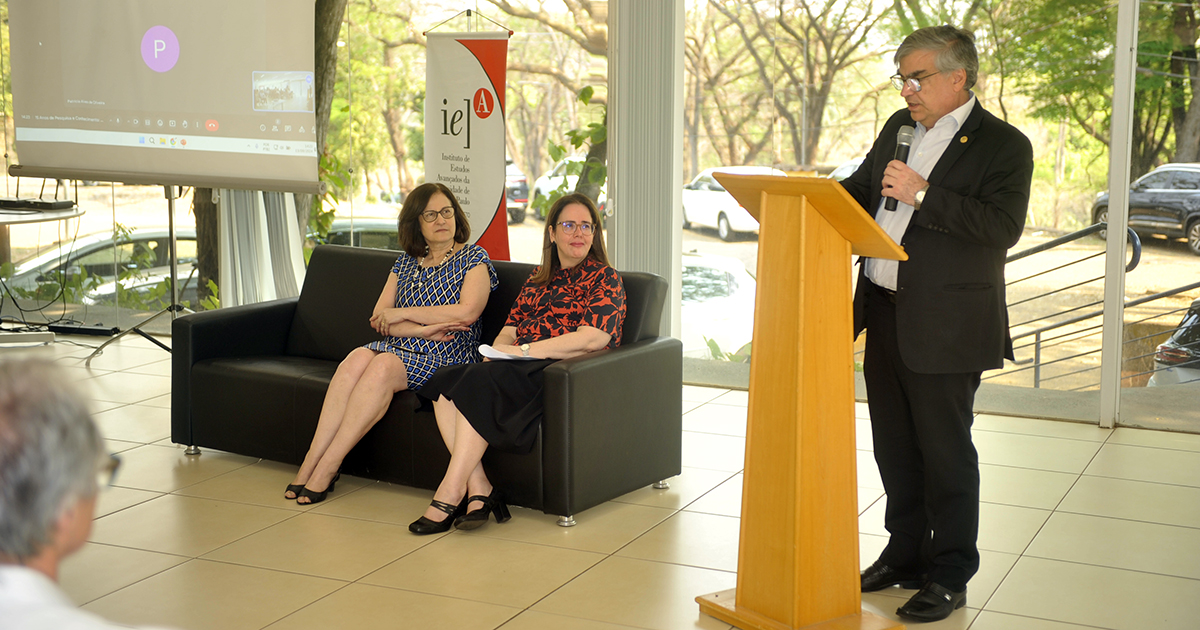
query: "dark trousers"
921, 424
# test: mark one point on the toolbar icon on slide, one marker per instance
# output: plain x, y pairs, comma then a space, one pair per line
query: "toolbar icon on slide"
212, 125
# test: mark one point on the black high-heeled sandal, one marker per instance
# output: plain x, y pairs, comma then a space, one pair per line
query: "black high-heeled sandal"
492, 504
295, 489
424, 526
315, 497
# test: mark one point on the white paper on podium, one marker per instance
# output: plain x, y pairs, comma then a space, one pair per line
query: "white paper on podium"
496, 355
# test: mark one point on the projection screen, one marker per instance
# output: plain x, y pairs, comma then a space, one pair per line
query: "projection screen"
218, 93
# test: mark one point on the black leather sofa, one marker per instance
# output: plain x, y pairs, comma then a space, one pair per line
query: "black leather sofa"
251, 380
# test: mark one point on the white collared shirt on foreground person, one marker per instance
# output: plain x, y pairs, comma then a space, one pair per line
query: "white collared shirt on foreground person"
31, 601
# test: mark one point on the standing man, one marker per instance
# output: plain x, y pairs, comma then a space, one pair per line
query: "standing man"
939, 319
52, 461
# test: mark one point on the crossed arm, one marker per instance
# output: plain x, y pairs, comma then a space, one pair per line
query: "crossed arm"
437, 323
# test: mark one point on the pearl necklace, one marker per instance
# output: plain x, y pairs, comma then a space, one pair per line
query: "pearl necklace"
417, 275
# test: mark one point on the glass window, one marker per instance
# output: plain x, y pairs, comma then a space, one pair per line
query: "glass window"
379, 240
1156, 181
104, 262
1189, 329
1185, 180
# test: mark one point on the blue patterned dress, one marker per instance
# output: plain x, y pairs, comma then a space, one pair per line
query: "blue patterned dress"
435, 286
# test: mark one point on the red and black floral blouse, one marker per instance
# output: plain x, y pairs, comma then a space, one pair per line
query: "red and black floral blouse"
588, 294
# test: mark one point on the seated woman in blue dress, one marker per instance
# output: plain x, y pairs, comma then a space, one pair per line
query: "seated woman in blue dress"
572, 304
428, 314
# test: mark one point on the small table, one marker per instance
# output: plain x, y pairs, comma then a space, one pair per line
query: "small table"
16, 216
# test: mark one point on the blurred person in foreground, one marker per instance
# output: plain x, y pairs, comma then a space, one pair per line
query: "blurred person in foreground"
936, 321
52, 464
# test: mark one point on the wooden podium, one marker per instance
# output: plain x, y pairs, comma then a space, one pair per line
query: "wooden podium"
798, 561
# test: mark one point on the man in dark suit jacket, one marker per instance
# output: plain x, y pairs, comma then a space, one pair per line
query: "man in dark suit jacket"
936, 321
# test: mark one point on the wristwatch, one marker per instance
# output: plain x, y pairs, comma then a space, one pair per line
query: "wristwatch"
525, 349
919, 198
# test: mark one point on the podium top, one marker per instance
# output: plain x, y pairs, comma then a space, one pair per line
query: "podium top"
827, 197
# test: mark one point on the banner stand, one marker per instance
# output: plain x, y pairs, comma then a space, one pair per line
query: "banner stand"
465, 127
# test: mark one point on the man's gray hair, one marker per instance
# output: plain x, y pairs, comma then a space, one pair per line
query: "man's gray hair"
955, 49
49, 452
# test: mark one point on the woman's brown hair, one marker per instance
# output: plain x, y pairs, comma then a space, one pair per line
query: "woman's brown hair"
409, 225
550, 262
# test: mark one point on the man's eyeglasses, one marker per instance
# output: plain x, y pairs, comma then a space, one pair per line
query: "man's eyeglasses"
429, 216
570, 226
106, 472
913, 82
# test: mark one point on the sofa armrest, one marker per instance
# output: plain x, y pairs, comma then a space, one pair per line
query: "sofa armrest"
613, 423
239, 331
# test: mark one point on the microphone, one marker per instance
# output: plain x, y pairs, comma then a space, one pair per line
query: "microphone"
904, 139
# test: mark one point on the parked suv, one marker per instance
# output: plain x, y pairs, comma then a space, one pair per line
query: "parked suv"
1165, 201
1177, 360
516, 192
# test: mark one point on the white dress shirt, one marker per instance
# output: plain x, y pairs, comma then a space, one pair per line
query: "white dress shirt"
31, 601
927, 148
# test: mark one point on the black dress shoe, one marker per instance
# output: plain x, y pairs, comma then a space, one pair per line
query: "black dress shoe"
492, 504
879, 576
933, 602
425, 526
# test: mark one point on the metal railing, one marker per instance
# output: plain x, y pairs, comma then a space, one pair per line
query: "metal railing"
1075, 328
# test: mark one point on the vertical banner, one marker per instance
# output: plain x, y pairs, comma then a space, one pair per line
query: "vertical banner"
464, 128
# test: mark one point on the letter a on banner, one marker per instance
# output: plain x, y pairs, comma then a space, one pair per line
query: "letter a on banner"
464, 129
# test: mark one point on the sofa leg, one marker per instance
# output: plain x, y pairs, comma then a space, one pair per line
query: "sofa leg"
192, 449
662, 485
566, 521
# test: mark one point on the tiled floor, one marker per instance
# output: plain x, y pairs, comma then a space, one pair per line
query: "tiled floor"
1081, 528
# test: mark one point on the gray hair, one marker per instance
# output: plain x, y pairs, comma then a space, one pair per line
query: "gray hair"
49, 452
955, 49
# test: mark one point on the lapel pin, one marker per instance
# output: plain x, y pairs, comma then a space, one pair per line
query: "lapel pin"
963, 139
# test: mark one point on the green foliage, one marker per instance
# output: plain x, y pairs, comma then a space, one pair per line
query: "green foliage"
212, 302
376, 120
337, 185
1065, 65
59, 286
590, 172
741, 356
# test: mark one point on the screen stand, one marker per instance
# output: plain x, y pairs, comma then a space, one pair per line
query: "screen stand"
171, 193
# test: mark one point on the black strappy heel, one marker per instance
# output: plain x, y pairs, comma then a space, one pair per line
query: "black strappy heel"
492, 504
424, 526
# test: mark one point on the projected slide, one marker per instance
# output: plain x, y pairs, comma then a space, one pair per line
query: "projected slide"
214, 88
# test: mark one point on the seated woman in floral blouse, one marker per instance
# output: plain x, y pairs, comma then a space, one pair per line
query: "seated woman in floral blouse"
572, 304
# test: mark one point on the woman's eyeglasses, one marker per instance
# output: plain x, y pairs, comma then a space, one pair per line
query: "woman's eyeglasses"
569, 227
429, 216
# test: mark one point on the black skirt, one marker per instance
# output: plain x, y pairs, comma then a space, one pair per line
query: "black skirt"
501, 399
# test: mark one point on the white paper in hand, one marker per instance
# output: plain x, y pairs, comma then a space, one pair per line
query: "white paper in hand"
496, 355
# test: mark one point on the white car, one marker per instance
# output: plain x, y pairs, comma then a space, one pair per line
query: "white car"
705, 202
717, 304
846, 169
551, 181
102, 256
1177, 360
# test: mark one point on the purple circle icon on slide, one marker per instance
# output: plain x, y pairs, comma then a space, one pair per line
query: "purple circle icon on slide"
160, 48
